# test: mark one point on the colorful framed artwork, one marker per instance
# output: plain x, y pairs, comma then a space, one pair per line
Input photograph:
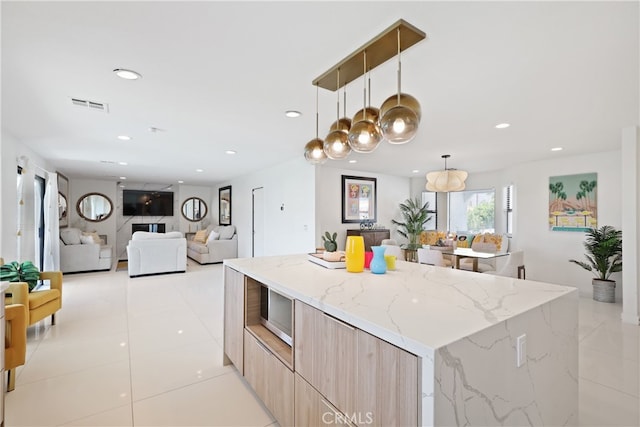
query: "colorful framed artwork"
573, 202
358, 199
224, 205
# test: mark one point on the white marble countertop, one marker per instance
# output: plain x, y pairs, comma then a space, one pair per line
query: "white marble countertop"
417, 307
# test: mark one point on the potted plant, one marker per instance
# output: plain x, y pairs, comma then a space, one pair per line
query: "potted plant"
330, 246
16, 272
415, 216
604, 257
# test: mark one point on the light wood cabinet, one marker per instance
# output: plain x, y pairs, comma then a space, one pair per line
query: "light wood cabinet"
234, 316
312, 409
325, 355
272, 381
387, 382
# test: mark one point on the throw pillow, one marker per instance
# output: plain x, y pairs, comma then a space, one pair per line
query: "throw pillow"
213, 236
71, 236
201, 236
86, 240
93, 235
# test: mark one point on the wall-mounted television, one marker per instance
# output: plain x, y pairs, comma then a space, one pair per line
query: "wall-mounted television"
147, 203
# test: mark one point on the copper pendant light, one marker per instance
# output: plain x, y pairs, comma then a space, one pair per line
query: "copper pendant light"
336, 144
365, 135
399, 124
314, 150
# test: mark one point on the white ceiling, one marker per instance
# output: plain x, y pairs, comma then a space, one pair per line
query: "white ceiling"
220, 75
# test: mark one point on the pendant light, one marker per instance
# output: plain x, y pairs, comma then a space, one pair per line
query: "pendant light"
336, 144
399, 124
446, 180
314, 150
365, 135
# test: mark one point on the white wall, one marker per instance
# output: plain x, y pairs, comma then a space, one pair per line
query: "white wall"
287, 231
80, 187
391, 191
205, 193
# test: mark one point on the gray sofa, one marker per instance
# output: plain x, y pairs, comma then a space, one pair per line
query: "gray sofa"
216, 248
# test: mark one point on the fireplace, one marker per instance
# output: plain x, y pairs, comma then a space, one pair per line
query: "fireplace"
152, 227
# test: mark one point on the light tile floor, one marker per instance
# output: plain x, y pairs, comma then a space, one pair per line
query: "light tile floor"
148, 352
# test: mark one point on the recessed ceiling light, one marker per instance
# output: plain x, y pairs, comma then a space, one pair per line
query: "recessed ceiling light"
292, 113
353, 161
123, 177
415, 171
230, 152
124, 137
123, 163
199, 170
127, 74
502, 126
180, 182
121, 186
556, 149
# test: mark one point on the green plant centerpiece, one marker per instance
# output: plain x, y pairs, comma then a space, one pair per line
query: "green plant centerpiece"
604, 257
17, 272
414, 216
331, 247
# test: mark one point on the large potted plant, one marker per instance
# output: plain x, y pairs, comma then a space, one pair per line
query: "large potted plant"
16, 272
415, 216
604, 257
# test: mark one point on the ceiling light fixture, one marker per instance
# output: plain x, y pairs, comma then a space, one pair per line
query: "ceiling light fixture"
314, 150
502, 126
336, 144
556, 149
353, 161
230, 152
180, 182
123, 177
400, 114
123, 163
292, 113
446, 180
124, 137
400, 124
365, 135
415, 171
199, 170
127, 74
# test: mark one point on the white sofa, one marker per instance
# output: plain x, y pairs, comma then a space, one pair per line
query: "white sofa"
225, 246
82, 252
153, 253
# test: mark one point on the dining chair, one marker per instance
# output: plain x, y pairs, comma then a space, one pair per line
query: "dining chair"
393, 250
431, 257
514, 266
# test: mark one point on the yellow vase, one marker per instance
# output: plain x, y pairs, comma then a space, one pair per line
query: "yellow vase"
354, 254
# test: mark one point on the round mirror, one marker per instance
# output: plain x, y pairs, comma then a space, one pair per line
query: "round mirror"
194, 209
94, 207
62, 206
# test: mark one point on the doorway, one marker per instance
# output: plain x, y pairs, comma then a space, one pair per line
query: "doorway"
257, 222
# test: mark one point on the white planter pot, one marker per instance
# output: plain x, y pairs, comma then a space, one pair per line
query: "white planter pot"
604, 290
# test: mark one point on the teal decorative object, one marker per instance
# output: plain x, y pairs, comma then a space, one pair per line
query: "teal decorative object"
378, 264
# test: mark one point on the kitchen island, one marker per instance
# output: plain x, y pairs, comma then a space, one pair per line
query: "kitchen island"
421, 345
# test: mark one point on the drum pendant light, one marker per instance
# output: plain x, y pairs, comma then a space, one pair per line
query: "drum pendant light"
336, 144
399, 124
365, 135
314, 150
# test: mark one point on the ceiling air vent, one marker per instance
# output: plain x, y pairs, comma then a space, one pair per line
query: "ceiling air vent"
91, 105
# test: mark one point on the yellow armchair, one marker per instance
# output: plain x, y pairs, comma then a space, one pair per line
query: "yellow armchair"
39, 304
15, 341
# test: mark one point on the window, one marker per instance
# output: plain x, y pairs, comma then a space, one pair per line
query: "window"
430, 197
472, 211
508, 208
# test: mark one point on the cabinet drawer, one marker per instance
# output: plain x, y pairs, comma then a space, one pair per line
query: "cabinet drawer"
270, 379
325, 355
233, 316
312, 409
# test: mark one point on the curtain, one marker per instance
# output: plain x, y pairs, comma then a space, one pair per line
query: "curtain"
19, 214
51, 224
37, 206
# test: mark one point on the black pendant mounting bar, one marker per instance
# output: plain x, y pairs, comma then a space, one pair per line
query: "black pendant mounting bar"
379, 50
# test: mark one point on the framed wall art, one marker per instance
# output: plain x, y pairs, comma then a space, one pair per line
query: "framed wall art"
573, 203
224, 205
358, 199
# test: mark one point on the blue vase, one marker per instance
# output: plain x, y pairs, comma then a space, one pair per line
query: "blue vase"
378, 264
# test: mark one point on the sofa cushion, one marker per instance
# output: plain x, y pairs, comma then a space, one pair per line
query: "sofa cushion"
93, 235
465, 240
201, 236
227, 232
105, 252
197, 247
71, 236
39, 298
147, 235
86, 240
